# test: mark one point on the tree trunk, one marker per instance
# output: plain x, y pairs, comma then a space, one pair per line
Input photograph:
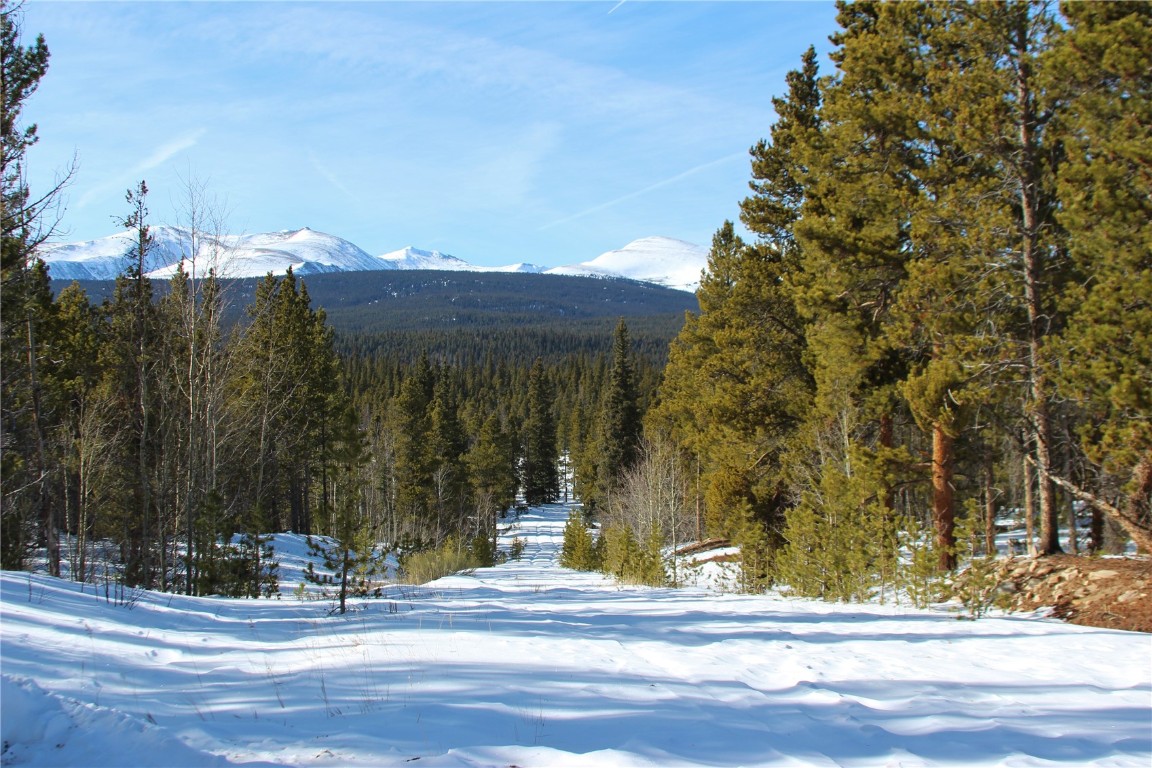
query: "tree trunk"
1134, 518
1096, 537
989, 506
48, 516
1029, 184
887, 439
943, 500
1029, 507
1073, 528
1049, 542
1138, 503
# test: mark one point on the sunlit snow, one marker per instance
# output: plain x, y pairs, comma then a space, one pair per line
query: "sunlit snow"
660, 260
529, 664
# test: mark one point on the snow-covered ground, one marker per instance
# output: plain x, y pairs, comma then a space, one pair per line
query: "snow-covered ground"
528, 664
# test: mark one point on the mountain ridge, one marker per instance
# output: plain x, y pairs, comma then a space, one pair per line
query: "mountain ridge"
658, 260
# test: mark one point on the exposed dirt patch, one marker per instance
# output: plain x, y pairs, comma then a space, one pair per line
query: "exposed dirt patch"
1111, 592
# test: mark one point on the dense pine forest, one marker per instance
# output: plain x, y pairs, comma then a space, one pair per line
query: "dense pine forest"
947, 306
941, 311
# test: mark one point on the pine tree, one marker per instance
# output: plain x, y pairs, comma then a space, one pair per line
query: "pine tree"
352, 553
27, 513
1104, 58
539, 477
133, 359
619, 550
735, 385
446, 445
285, 402
579, 550
86, 430
618, 435
410, 420
491, 469
898, 69
853, 235
838, 548
778, 172
1007, 122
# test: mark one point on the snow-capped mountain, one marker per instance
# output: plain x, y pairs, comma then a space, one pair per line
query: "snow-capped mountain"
414, 258
108, 257
660, 260
304, 250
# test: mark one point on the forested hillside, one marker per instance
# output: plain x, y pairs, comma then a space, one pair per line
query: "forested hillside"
426, 300
465, 317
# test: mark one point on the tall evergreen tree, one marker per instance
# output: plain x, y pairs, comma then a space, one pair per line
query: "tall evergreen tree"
286, 398
618, 426
446, 445
351, 553
491, 464
1104, 58
87, 427
853, 234
735, 385
27, 513
779, 175
539, 477
1009, 124
897, 82
133, 357
410, 421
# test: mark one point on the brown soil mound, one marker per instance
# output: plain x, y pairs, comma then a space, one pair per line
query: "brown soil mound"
1111, 592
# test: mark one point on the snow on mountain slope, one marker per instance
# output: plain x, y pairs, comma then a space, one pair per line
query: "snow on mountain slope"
305, 250
309, 252
522, 267
661, 260
107, 257
414, 258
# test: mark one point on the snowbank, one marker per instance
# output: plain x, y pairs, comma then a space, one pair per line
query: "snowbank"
529, 664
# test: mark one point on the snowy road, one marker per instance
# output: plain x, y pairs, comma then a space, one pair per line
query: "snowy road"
531, 665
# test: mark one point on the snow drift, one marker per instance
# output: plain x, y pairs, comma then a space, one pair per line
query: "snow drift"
529, 664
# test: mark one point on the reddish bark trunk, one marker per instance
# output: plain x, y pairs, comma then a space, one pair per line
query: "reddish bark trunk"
943, 500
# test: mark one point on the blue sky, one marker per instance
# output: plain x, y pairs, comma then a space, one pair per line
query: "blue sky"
499, 132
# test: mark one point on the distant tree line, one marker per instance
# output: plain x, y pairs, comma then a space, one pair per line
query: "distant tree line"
460, 317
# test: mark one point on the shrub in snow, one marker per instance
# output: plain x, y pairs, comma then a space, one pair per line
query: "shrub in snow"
579, 550
431, 564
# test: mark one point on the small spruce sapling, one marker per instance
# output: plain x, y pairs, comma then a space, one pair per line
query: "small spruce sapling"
579, 548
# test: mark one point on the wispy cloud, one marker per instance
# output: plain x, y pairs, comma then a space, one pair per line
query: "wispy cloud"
159, 157
646, 190
457, 121
167, 151
331, 178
